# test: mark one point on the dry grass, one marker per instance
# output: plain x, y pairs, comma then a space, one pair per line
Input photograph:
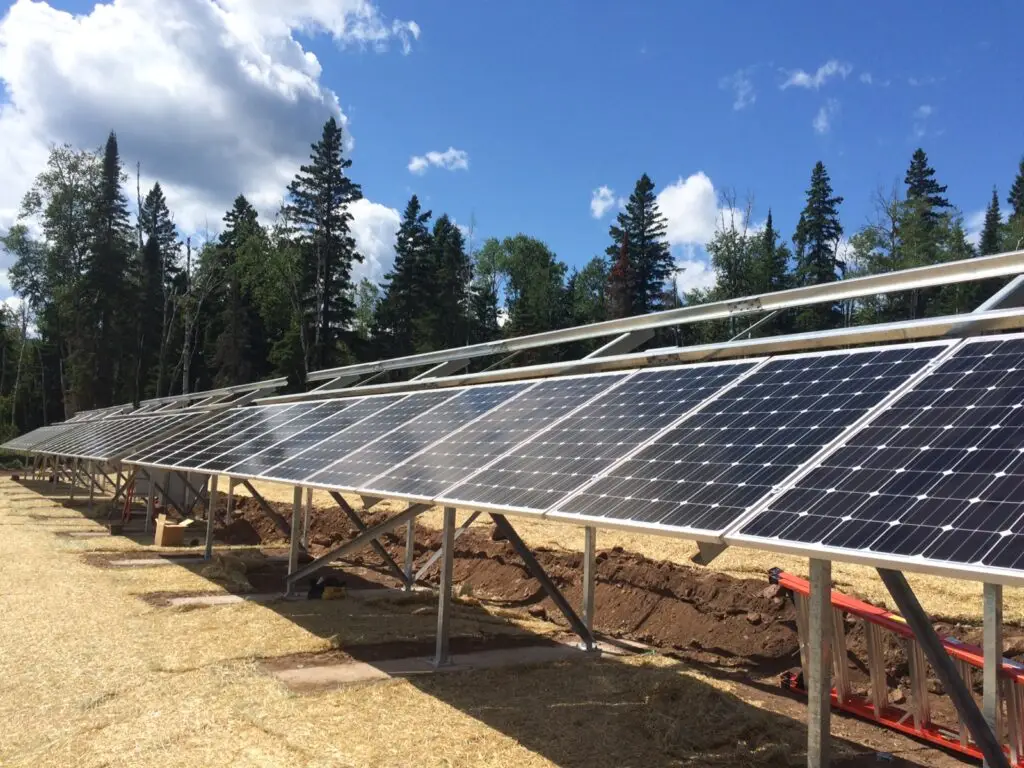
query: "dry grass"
94, 676
951, 599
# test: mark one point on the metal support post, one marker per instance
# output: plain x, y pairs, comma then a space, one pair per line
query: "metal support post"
432, 560
92, 487
74, 479
818, 674
992, 645
150, 501
410, 554
589, 582
944, 667
231, 499
442, 656
117, 493
295, 538
211, 502
306, 515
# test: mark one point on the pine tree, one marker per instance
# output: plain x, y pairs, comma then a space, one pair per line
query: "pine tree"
484, 324
922, 188
160, 275
991, 232
643, 227
771, 260
621, 283
453, 273
817, 237
404, 316
109, 275
318, 209
1016, 196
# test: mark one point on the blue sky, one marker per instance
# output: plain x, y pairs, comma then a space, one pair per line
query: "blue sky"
549, 102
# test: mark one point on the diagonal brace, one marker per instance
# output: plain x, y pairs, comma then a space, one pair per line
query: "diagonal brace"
168, 499
361, 526
944, 668
432, 561
538, 572
279, 522
360, 541
199, 494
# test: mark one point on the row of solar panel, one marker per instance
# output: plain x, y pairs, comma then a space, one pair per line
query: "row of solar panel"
936, 476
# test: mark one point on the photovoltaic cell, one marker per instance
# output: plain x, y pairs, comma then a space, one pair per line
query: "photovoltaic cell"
543, 470
938, 474
38, 436
453, 458
279, 425
87, 430
170, 450
335, 415
264, 417
715, 465
362, 465
115, 445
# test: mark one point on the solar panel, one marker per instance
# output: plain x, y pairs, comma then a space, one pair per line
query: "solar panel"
449, 461
332, 416
937, 476
359, 467
707, 471
257, 420
79, 434
266, 433
320, 440
543, 469
170, 450
37, 436
123, 440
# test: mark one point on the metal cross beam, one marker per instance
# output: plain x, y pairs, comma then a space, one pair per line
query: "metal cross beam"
432, 561
360, 541
944, 668
535, 569
168, 499
279, 522
361, 527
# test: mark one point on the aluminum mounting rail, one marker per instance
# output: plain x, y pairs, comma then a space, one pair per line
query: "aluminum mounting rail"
998, 265
903, 331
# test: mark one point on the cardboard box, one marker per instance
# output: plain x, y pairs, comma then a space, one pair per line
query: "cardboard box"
170, 534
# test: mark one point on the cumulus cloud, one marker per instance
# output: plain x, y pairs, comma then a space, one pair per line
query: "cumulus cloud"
451, 159
374, 227
215, 97
921, 116
866, 78
742, 88
602, 200
798, 78
822, 122
695, 274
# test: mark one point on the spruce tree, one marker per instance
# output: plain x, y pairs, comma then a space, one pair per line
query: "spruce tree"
452, 275
160, 275
404, 316
643, 227
484, 324
991, 232
318, 209
817, 237
923, 189
109, 276
771, 260
621, 284
1016, 196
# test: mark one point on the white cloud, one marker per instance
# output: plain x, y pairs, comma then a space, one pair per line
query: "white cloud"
690, 206
602, 200
822, 122
923, 112
695, 274
451, 159
740, 84
800, 79
374, 227
865, 77
921, 116
215, 97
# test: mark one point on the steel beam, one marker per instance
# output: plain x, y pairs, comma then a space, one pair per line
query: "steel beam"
589, 582
410, 554
306, 516
627, 342
707, 552
992, 646
150, 501
231, 499
818, 674
745, 333
360, 541
509, 533
361, 527
442, 654
944, 668
279, 522
442, 369
294, 543
211, 510
432, 560
92, 489
167, 501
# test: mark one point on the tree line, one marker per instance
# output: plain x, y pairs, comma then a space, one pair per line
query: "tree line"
125, 309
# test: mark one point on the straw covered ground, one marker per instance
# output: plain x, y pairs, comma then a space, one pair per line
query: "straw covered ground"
93, 675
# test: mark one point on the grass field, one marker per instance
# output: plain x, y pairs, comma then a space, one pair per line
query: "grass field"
95, 676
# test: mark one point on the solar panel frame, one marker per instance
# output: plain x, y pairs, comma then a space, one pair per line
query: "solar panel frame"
113, 447
914, 563
716, 535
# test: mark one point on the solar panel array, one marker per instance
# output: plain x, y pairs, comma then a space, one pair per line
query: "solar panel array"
937, 475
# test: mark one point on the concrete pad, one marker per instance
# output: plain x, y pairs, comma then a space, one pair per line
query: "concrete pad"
316, 678
205, 600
